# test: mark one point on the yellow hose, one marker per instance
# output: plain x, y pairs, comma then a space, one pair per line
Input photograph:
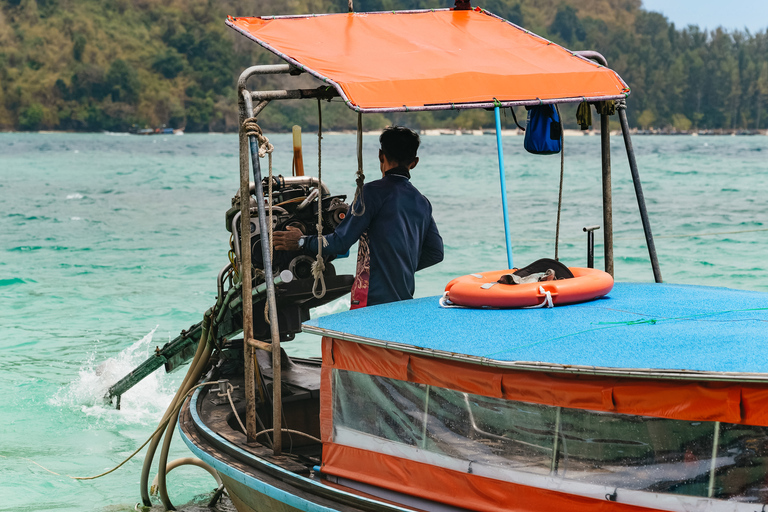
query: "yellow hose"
162, 469
145, 469
187, 461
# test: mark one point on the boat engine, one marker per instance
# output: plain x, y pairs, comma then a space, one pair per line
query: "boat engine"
295, 201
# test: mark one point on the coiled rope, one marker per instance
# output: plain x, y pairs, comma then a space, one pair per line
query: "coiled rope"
318, 267
360, 176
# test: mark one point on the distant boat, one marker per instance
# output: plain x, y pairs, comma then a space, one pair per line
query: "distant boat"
157, 131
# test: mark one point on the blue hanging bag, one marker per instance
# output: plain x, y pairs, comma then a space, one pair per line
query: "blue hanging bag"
543, 131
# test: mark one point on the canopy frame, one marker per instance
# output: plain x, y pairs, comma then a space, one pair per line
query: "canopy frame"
251, 103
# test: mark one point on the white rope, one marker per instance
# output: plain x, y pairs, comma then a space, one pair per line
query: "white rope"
230, 387
318, 267
445, 302
266, 148
547, 302
360, 176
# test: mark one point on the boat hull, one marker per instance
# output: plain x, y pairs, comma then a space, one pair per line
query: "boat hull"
246, 499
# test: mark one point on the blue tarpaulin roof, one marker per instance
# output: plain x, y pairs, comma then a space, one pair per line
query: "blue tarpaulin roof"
637, 326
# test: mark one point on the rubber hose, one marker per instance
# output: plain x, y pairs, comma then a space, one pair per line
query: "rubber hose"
148, 458
188, 461
225, 304
161, 472
189, 380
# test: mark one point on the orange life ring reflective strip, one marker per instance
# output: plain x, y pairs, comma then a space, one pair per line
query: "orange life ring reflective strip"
483, 290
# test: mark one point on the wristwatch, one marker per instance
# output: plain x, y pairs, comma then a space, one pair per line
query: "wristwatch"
302, 242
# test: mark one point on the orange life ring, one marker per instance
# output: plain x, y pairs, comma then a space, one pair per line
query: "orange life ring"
586, 284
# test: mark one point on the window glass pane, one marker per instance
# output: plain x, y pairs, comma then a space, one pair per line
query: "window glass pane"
503, 439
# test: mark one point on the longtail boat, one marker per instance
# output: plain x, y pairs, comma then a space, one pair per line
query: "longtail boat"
650, 397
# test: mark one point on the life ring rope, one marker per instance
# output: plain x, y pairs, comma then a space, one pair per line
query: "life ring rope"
547, 302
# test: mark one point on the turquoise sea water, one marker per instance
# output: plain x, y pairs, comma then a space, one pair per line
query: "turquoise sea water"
110, 245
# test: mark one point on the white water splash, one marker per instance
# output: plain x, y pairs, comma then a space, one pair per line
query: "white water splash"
141, 404
74, 196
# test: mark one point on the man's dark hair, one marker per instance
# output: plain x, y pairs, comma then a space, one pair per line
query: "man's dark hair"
399, 144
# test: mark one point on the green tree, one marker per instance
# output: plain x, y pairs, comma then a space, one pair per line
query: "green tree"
78, 47
646, 119
567, 25
169, 63
122, 82
681, 123
31, 117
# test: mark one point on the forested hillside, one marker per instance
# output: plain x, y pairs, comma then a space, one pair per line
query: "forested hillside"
112, 64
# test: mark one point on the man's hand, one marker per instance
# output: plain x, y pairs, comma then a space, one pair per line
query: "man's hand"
287, 240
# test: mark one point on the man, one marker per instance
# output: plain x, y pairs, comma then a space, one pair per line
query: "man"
397, 233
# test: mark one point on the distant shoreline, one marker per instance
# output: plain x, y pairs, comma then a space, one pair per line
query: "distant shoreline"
448, 131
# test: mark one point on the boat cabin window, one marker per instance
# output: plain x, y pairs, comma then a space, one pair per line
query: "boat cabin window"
515, 441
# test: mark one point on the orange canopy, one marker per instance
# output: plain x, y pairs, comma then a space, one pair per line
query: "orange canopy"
430, 60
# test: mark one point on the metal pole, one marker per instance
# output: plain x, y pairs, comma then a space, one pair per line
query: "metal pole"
590, 231
245, 276
425, 420
639, 191
250, 367
605, 150
713, 464
274, 329
503, 186
555, 444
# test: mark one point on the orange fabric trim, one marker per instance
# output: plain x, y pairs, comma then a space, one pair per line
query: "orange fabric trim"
326, 404
455, 488
389, 60
674, 399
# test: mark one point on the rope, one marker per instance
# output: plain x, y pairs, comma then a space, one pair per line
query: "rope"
445, 302
547, 302
158, 429
560, 193
230, 387
231, 255
318, 267
267, 431
360, 176
253, 129
270, 226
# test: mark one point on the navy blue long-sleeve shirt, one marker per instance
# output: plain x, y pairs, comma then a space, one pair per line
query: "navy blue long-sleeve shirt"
397, 234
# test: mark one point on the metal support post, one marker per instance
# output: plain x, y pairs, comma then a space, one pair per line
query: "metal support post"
503, 182
639, 191
425, 420
590, 231
605, 152
274, 329
713, 463
245, 276
555, 443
